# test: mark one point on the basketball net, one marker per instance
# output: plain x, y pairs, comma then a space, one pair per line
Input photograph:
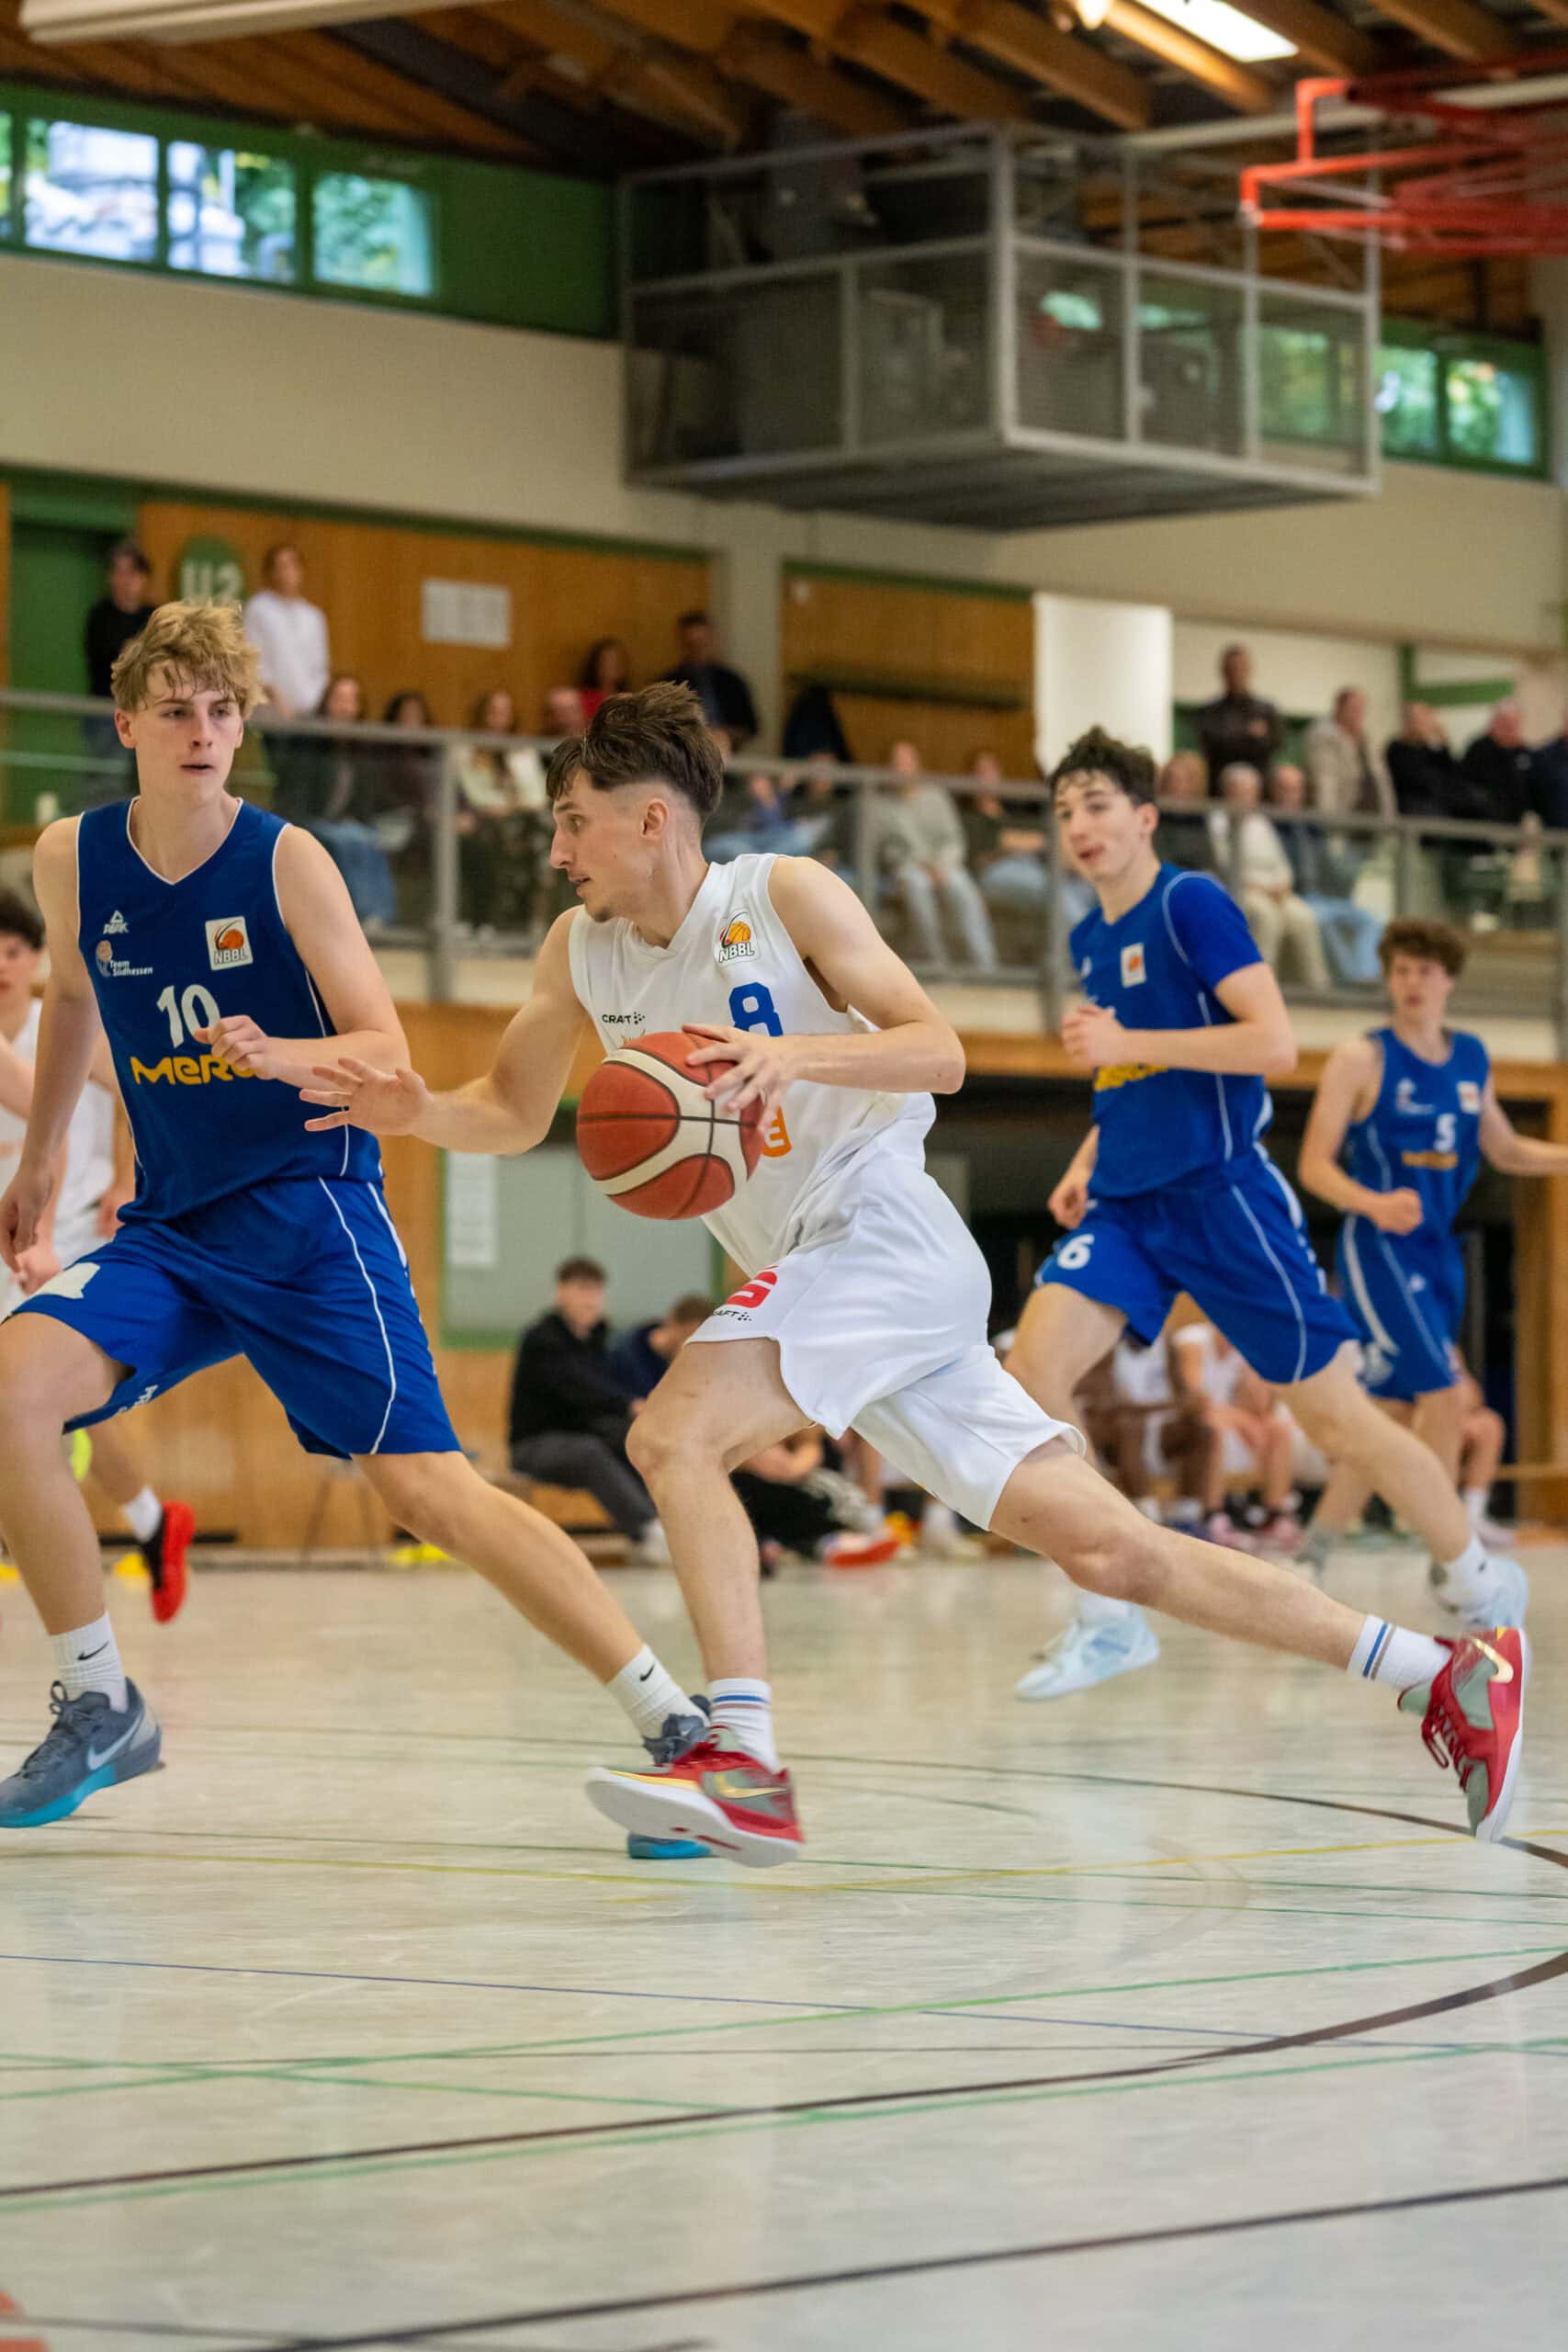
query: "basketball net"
1450, 178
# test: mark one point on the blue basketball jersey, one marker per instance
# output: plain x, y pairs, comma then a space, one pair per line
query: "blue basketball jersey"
1157, 967
166, 958
1423, 1130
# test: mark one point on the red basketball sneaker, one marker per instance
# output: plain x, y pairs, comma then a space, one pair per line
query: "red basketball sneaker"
726, 1798
166, 1561
1473, 1716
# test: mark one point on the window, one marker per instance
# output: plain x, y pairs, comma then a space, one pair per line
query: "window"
1463, 400
373, 233
91, 191
1407, 400
1492, 411
231, 214
1310, 387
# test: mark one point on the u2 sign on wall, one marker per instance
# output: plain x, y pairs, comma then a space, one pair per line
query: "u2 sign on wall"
209, 569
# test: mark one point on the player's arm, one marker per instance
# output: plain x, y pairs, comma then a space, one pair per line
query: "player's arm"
508, 1110
15, 1081
1069, 1202
911, 1050
319, 916
1347, 1091
1255, 1042
1511, 1153
68, 1032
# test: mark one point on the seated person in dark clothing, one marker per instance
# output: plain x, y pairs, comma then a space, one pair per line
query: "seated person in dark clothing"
789, 1510
1552, 780
1503, 766
1186, 840
640, 1361
1428, 780
571, 1414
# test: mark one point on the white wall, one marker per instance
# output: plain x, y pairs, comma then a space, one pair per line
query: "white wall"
1302, 673
1101, 664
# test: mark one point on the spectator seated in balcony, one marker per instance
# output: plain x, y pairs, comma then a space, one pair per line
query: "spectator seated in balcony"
327, 783
1346, 778
1501, 765
827, 816
1007, 844
1184, 838
812, 726
1428, 780
754, 817
1250, 859
406, 779
569, 1412
1239, 725
1550, 780
918, 846
502, 827
564, 712
724, 694
290, 634
1349, 933
606, 670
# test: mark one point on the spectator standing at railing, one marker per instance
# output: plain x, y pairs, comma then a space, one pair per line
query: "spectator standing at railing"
327, 783
1347, 778
1428, 780
917, 843
1185, 839
121, 613
1251, 861
501, 804
723, 693
1237, 725
289, 633
606, 670
1349, 933
1501, 763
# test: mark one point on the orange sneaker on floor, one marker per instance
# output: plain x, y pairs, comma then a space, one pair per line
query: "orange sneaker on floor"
851, 1550
733, 1803
1473, 1716
167, 1560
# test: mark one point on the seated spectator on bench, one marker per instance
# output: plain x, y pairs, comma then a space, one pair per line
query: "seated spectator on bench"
606, 670
1251, 861
641, 1358
1350, 934
501, 819
828, 817
754, 819
1006, 841
1185, 839
570, 1413
919, 845
1501, 763
564, 713
1347, 778
328, 784
1428, 780
1550, 779
794, 1507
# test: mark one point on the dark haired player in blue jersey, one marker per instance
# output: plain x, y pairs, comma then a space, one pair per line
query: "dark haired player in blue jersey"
1413, 1109
226, 960
1172, 1191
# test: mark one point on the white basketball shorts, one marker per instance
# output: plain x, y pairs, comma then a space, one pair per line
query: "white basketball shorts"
879, 1315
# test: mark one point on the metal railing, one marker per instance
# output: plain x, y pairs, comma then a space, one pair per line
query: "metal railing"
432, 872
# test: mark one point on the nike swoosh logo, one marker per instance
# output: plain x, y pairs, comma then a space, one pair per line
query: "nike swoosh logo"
99, 1756
643, 1677
1505, 1671
84, 1656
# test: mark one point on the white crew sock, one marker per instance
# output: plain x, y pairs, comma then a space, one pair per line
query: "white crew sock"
1466, 1580
649, 1694
743, 1710
1385, 1653
1474, 1501
1100, 1609
141, 1515
88, 1659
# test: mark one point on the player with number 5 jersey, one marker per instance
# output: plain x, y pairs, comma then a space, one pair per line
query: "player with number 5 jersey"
222, 947
867, 1300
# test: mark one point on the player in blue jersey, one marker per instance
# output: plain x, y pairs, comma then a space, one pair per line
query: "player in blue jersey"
226, 960
1412, 1109
1172, 1191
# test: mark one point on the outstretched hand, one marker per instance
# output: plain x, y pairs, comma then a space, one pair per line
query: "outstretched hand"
382, 1102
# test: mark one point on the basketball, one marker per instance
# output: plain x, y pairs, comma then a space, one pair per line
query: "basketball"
651, 1140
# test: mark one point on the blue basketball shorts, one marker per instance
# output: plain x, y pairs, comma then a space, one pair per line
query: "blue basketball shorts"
307, 1279
1236, 1245
1406, 1305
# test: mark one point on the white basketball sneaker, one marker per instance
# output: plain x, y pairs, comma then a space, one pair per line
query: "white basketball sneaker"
1086, 1652
1503, 1600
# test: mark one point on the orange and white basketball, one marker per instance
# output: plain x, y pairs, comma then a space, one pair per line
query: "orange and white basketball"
652, 1141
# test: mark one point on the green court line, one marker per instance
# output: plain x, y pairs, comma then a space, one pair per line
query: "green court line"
810, 2118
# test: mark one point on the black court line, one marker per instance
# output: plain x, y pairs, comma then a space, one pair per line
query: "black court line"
1045, 2250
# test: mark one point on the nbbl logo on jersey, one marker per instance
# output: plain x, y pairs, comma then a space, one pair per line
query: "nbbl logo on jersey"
735, 942
228, 943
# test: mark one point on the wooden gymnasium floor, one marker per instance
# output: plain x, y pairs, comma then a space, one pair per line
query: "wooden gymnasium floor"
1176, 2016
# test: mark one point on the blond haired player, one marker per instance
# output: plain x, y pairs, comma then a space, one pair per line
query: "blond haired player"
867, 1306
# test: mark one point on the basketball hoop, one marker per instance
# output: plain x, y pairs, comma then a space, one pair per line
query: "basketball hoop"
1466, 180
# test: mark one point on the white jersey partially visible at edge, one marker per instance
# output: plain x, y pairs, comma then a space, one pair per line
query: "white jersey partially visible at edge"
89, 1150
731, 964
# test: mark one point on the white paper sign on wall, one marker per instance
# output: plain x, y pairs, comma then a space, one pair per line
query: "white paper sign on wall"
464, 611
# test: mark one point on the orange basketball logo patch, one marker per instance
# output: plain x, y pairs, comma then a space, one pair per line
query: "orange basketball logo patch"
735, 942
228, 943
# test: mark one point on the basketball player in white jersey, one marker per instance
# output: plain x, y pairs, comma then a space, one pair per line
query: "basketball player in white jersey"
867, 1298
80, 1215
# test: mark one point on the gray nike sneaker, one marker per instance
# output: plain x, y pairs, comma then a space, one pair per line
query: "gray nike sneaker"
91, 1746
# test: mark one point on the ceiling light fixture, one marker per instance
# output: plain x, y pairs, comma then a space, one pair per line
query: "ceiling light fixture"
1228, 29
1091, 14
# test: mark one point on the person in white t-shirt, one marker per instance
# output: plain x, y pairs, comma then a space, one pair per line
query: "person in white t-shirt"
85, 1211
290, 635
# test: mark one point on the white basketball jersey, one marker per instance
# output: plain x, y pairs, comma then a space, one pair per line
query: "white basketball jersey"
732, 963
89, 1147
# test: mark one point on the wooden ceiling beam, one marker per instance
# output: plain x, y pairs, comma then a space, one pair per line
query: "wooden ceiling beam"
430, 115
1239, 86
1457, 27
876, 39
1059, 61
796, 79
701, 25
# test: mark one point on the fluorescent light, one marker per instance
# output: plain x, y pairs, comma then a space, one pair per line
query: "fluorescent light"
1224, 29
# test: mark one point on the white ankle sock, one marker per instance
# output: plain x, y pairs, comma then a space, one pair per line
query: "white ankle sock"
1098, 1608
1474, 1501
649, 1694
88, 1659
1465, 1579
141, 1515
1385, 1653
743, 1710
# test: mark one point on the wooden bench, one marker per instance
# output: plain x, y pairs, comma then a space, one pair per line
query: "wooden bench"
572, 1509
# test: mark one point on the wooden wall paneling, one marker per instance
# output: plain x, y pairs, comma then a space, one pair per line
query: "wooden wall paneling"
367, 578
